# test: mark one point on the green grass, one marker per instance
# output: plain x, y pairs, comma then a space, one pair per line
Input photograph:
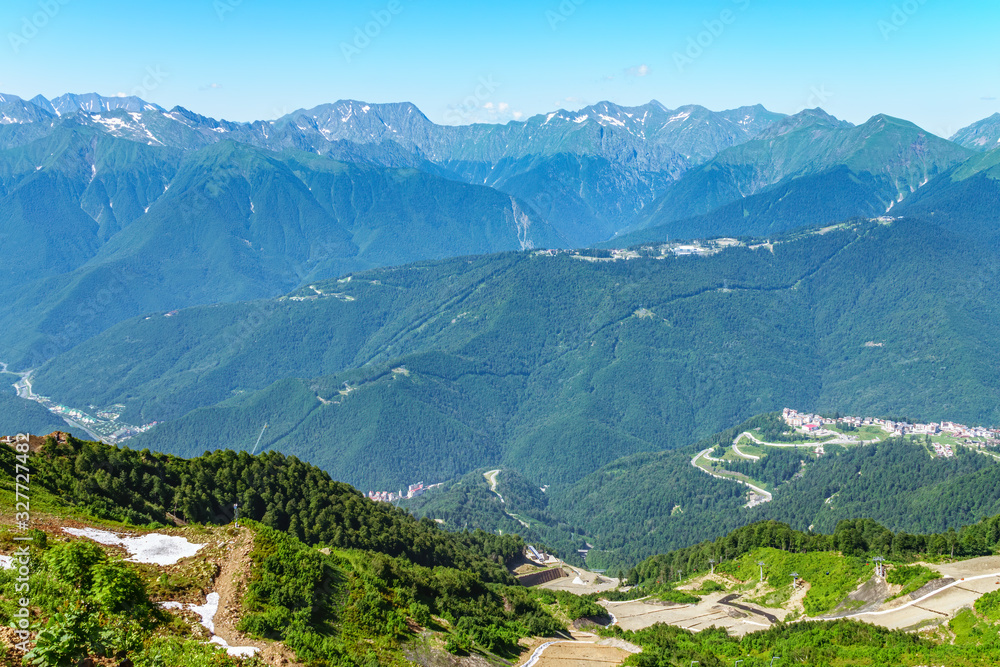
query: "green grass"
870, 433
826, 590
967, 628
676, 596
800, 441
717, 469
989, 606
710, 586
911, 577
730, 455
748, 448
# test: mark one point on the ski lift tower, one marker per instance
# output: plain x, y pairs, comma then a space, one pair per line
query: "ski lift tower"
236, 514
711, 562
795, 578
761, 563
879, 566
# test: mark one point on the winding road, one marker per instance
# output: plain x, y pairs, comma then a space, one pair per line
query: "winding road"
844, 440
751, 457
491, 477
766, 495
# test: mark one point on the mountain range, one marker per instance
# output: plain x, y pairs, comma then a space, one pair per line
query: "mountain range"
395, 300
576, 330
124, 207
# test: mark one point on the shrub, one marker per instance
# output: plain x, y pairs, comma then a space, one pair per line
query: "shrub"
711, 586
65, 640
989, 605
72, 562
117, 588
458, 644
420, 613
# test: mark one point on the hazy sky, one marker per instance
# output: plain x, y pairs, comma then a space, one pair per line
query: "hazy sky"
930, 61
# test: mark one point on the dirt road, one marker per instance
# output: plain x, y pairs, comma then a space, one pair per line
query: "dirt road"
971, 579
583, 650
710, 611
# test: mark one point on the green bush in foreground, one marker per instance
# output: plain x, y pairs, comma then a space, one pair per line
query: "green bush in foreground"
354, 607
989, 605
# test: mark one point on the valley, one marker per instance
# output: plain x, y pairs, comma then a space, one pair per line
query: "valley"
799, 476
103, 425
472, 335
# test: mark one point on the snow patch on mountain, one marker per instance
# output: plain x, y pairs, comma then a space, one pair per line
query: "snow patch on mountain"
154, 548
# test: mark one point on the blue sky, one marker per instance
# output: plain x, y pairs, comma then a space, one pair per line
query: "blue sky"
929, 61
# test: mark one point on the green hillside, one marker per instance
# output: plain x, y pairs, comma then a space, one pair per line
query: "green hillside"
653, 502
795, 166
319, 575
964, 199
824, 198
516, 507
119, 229
429, 371
328, 577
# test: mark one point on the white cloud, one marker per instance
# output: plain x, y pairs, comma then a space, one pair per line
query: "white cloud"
638, 70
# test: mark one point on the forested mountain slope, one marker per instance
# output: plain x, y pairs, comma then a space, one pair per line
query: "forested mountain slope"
430, 371
312, 573
117, 229
798, 164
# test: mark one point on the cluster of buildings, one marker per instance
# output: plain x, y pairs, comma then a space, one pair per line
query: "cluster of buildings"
129, 431
688, 248
943, 450
78, 415
976, 435
412, 491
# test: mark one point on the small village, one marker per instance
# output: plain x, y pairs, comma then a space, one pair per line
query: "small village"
973, 436
412, 491
702, 248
